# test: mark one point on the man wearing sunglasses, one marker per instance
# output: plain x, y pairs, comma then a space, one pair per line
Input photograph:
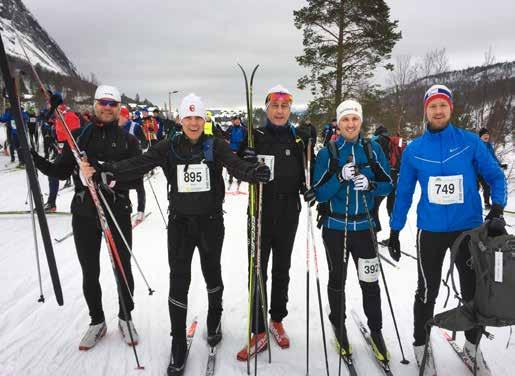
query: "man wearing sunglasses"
282, 151
103, 141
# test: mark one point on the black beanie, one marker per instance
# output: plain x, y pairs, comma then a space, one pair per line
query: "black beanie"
483, 131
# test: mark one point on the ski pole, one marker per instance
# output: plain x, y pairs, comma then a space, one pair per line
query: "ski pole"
157, 202
345, 258
41, 296
315, 257
122, 236
374, 240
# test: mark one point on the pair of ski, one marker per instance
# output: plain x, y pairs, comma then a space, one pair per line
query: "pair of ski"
211, 356
135, 223
349, 361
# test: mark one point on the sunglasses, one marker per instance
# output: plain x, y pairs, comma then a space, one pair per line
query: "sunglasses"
106, 103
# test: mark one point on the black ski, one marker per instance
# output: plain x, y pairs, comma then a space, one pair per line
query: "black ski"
31, 173
385, 366
347, 360
211, 361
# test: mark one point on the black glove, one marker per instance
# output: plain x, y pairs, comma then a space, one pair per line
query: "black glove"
394, 246
261, 173
496, 222
504, 166
250, 155
55, 100
309, 196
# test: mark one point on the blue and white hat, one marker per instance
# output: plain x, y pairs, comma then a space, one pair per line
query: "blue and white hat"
438, 91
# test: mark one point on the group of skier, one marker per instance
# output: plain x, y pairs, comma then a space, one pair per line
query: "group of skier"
351, 175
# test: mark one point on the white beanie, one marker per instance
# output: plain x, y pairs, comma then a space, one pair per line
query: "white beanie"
108, 92
349, 107
192, 105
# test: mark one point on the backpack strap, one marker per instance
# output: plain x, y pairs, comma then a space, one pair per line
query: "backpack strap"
380, 174
334, 163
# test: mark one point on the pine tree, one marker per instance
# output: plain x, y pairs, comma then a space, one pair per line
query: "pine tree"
344, 41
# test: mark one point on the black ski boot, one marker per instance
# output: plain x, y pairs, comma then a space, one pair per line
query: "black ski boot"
50, 207
214, 337
342, 341
379, 346
177, 357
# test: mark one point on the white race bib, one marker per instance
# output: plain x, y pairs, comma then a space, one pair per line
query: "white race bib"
368, 270
32, 120
445, 190
194, 179
269, 161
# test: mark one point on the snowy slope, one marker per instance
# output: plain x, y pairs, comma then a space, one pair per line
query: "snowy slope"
42, 339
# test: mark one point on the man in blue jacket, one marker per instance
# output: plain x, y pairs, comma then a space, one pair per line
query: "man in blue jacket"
445, 161
359, 172
484, 135
235, 134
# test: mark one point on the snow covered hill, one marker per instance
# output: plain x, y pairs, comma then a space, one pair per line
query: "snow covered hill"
42, 339
41, 48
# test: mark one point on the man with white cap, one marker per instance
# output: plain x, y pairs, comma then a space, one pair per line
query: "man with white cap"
349, 171
102, 141
445, 161
193, 164
282, 149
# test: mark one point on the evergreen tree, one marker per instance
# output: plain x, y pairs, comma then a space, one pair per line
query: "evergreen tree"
344, 41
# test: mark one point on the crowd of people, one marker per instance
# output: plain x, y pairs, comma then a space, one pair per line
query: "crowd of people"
351, 176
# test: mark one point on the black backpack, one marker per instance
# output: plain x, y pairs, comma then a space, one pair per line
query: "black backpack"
493, 260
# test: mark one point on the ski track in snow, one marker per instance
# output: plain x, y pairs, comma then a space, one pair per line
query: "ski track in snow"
42, 339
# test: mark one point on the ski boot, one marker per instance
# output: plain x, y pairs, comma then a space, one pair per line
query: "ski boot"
260, 338
429, 368
214, 336
92, 336
379, 346
177, 357
342, 342
278, 332
476, 355
50, 208
124, 329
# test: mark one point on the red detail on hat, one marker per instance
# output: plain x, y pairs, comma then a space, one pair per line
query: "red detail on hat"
438, 96
192, 108
124, 112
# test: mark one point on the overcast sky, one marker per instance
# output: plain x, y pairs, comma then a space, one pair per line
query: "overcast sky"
155, 46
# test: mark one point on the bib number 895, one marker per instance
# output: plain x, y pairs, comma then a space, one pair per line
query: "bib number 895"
445, 188
192, 177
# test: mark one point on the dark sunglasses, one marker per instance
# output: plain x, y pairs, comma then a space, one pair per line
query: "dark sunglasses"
105, 103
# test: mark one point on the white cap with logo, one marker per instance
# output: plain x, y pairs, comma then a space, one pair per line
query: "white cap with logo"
192, 105
349, 107
108, 92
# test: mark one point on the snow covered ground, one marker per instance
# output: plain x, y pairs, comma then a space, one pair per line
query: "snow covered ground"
42, 339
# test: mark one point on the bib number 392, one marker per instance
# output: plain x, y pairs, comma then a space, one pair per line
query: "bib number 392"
193, 179
445, 190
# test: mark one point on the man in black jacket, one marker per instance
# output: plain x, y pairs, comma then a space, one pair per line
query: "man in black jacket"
193, 164
103, 141
280, 147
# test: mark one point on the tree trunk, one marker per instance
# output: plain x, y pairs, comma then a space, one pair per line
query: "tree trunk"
339, 57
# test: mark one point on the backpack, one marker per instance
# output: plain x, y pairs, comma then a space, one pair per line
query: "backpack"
493, 260
396, 147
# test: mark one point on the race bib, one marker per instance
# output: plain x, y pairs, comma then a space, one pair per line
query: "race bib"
368, 270
445, 190
32, 119
193, 179
269, 161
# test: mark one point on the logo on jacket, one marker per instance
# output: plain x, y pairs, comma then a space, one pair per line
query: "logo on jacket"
287, 152
453, 150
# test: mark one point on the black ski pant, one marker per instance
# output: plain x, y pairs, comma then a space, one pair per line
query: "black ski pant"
390, 201
361, 247
87, 234
53, 189
278, 232
140, 190
185, 233
486, 189
431, 249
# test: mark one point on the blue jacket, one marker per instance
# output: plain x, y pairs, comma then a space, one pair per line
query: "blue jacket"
491, 150
335, 192
8, 119
452, 151
236, 136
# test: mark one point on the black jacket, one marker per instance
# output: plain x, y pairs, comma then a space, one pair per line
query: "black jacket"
107, 143
181, 151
